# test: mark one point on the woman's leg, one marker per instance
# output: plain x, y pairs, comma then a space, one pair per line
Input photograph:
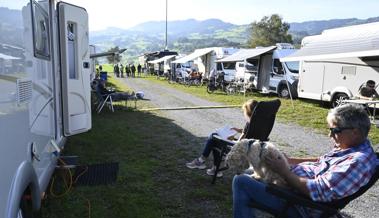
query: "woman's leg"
209, 144
247, 190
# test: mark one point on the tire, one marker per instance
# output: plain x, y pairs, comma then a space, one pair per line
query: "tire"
338, 99
26, 209
209, 89
284, 92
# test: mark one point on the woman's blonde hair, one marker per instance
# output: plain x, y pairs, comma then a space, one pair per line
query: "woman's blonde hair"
249, 106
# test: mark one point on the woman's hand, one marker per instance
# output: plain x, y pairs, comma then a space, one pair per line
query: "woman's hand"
236, 129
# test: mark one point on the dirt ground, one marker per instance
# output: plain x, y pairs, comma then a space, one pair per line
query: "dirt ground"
291, 138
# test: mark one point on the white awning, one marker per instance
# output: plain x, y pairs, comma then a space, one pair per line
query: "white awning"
244, 54
8, 57
162, 59
345, 42
197, 53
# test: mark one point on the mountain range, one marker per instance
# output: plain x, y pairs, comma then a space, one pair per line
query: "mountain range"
187, 35
184, 36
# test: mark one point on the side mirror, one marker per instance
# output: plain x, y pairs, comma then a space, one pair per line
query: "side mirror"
276, 69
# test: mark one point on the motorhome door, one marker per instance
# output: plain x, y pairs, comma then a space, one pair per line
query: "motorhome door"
75, 69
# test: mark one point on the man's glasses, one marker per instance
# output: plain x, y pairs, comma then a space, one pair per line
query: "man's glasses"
337, 130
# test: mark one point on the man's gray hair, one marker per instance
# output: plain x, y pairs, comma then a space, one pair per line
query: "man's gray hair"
350, 115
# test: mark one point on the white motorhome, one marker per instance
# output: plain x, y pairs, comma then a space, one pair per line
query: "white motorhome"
261, 67
205, 59
44, 95
337, 62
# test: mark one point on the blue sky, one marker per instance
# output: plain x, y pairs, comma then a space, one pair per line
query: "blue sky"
128, 13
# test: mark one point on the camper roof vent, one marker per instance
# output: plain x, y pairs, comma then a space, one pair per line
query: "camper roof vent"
24, 91
284, 46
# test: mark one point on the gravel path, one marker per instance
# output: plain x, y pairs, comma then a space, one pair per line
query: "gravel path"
291, 138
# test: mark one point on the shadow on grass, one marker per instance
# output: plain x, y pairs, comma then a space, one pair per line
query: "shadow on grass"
153, 180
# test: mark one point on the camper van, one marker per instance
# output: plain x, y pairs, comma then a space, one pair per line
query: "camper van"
205, 59
44, 95
229, 70
336, 63
261, 69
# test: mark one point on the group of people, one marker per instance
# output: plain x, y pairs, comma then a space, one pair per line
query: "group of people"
334, 175
130, 70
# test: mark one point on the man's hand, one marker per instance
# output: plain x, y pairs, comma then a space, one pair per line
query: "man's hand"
277, 164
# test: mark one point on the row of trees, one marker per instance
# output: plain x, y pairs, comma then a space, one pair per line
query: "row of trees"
268, 31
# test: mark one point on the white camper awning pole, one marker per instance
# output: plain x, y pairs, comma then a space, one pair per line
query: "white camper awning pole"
289, 90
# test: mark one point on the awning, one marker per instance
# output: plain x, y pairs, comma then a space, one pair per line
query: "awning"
8, 57
244, 54
162, 59
352, 41
197, 53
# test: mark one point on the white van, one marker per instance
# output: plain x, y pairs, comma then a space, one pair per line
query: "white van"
229, 70
334, 64
261, 69
44, 96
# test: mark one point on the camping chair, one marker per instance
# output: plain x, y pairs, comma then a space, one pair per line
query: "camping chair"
261, 123
103, 99
328, 209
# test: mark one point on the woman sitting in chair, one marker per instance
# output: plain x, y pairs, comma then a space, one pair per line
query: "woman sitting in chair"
335, 175
199, 163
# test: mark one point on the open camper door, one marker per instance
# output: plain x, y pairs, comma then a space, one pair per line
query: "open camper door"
75, 68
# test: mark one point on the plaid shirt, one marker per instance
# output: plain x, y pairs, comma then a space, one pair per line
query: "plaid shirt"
339, 173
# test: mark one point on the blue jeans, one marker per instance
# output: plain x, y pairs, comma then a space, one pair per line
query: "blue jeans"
246, 190
209, 144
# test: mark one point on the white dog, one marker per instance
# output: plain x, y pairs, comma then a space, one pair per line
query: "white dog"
248, 153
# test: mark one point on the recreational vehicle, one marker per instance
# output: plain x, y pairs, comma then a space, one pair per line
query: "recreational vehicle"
334, 64
261, 67
44, 95
205, 58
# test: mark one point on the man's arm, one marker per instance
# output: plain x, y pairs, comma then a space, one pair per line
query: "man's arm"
295, 181
292, 160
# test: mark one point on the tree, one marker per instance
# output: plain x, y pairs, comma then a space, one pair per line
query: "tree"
114, 58
268, 31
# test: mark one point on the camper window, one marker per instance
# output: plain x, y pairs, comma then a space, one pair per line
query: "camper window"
230, 65
40, 32
293, 66
278, 68
219, 66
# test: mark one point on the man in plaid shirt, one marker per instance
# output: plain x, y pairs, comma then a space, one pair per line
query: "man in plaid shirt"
333, 176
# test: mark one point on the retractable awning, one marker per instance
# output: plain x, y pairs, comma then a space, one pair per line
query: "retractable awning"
345, 42
8, 57
162, 59
194, 55
244, 54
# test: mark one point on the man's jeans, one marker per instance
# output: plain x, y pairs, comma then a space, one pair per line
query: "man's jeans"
247, 190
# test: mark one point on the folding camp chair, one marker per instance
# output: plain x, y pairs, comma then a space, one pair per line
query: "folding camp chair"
103, 99
328, 209
261, 124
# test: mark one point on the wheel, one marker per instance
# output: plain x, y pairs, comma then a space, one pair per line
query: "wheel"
284, 92
26, 209
210, 89
338, 99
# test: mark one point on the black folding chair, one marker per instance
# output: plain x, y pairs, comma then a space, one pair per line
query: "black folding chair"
327, 209
261, 124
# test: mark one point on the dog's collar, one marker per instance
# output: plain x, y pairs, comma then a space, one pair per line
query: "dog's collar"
263, 146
